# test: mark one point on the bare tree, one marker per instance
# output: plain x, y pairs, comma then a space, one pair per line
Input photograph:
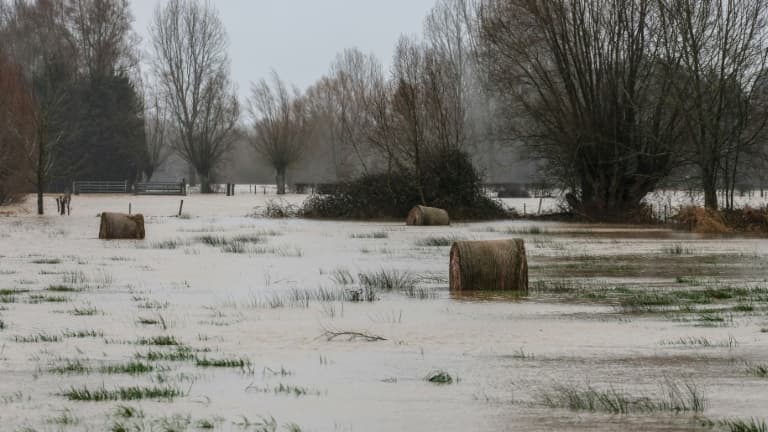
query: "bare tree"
586, 85
281, 125
341, 100
723, 47
191, 66
37, 39
103, 35
158, 136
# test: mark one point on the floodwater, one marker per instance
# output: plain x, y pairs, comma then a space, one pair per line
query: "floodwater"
503, 352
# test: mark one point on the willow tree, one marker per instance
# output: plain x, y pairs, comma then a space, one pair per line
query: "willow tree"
191, 66
586, 86
723, 48
281, 125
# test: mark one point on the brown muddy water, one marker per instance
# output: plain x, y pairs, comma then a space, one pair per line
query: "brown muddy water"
220, 321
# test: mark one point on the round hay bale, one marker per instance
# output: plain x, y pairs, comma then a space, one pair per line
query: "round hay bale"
121, 226
422, 215
493, 265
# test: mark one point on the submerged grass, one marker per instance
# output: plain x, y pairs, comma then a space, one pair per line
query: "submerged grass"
222, 362
739, 425
439, 241
388, 280
40, 337
673, 397
70, 367
129, 368
121, 393
162, 340
758, 370
370, 235
439, 377
181, 353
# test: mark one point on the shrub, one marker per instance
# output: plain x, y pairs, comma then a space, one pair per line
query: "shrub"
449, 182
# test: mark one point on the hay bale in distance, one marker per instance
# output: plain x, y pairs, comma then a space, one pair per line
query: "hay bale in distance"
493, 265
121, 226
422, 215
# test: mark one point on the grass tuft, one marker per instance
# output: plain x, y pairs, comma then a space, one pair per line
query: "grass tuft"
438, 241
439, 377
739, 425
758, 370
222, 363
673, 397
101, 394
130, 368
388, 280
163, 340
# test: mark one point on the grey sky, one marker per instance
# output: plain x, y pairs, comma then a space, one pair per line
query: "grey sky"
299, 38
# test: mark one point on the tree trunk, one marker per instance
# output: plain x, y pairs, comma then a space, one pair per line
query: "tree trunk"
710, 192
41, 156
205, 183
280, 181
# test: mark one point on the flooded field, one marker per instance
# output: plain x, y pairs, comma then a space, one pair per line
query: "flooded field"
223, 321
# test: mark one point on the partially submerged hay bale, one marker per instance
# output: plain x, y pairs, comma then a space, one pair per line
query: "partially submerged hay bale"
422, 215
703, 221
493, 265
121, 226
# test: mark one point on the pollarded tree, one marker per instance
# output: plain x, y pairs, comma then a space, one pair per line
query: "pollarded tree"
587, 85
723, 47
281, 125
191, 66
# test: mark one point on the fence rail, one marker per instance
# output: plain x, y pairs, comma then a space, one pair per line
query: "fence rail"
79, 187
160, 188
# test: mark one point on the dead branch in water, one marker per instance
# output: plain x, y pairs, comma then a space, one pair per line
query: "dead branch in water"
352, 335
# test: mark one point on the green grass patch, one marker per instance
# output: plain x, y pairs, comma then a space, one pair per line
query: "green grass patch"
181, 353
163, 340
70, 367
758, 370
85, 311
82, 333
101, 394
439, 377
46, 261
739, 425
673, 397
40, 337
388, 280
129, 368
438, 241
222, 362
62, 288
42, 298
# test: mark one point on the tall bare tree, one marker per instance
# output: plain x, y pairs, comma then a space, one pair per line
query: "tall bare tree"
587, 84
723, 48
158, 134
342, 100
191, 66
103, 35
36, 38
281, 125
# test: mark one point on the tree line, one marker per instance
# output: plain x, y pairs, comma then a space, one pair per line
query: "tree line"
612, 99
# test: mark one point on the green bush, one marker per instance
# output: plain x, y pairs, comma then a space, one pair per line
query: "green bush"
450, 181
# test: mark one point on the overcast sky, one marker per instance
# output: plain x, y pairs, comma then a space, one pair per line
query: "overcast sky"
299, 38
